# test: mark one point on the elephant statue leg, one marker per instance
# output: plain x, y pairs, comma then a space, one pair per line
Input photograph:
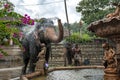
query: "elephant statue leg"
32, 65
26, 61
33, 57
47, 55
26, 56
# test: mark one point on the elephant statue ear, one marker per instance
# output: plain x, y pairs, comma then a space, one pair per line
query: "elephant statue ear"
38, 26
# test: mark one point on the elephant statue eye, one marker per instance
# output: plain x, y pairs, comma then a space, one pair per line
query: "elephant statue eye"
43, 29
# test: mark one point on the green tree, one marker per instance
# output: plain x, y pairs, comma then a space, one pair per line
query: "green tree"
74, 27
93, 10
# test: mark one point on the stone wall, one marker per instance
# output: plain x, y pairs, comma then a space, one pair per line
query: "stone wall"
91, 52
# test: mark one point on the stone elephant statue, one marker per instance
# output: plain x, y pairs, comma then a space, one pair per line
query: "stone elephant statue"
44, 32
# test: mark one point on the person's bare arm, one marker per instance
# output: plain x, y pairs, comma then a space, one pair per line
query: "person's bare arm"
104, 58
113, 52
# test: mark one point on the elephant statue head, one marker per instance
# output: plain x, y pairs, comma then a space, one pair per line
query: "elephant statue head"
47, 27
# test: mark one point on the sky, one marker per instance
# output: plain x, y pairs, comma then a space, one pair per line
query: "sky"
48, 9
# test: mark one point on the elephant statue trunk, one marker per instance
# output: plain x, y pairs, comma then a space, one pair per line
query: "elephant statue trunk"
52, 35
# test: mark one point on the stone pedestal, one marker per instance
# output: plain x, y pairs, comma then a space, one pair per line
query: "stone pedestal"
108, 77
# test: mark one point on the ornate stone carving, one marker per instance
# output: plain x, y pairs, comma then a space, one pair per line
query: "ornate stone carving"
110, 28
116, 13
110, 61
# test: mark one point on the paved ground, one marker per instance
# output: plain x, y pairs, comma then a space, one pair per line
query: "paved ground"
74, 73
9, 73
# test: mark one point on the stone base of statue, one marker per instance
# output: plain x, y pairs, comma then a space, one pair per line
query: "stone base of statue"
111, 74
111, 71
111, 77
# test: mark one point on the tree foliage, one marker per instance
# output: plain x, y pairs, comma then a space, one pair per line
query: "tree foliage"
3, 3
7, 9
79, 33
8, 25
93, 10
75, 27
76, 38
